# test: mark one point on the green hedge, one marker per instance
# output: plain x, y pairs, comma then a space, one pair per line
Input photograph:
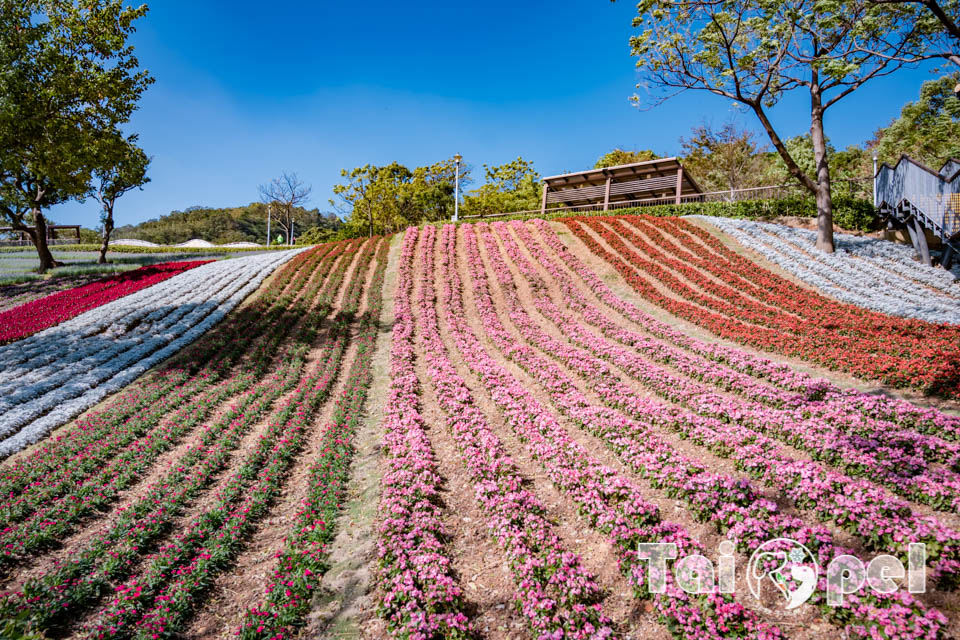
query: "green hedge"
849, 213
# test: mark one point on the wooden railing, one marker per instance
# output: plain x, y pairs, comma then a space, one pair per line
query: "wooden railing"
935, 198
734, 195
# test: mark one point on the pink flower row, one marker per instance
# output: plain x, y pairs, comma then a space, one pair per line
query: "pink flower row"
612, 503
877, 518
555, 593
729, 503
419, 598
822, 421
894, 410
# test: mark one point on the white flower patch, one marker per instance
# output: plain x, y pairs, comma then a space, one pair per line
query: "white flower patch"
874, 274
52, 376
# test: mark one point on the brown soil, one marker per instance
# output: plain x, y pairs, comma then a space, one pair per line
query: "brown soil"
162, 466
671, 510
947, 602
99, 522
634, 618
695, 452
345, 604
235, 591
477, 560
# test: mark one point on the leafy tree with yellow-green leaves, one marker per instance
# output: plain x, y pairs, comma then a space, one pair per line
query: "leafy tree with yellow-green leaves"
620, 156
512, 186
385, 199
928, 130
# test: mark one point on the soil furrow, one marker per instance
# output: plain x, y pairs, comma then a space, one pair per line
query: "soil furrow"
235, 591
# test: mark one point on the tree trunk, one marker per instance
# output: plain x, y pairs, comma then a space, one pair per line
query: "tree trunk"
792, 167
824, 201
107, 230
39, 238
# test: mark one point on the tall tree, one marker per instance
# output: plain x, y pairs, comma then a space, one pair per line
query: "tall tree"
287, 194
122, 168
68, 77
620, 156
927, 130
354, 200
386, 199
756, 51
727, 158
512, 186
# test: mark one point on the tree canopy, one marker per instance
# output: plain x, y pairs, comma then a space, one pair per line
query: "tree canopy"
386, 199
725, 158
928, 130
619, 156
68, 81
512, 186
754, 52
122, 168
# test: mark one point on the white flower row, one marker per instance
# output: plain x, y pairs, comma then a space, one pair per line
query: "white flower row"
98, 343
874, 274
843, 270
103, 350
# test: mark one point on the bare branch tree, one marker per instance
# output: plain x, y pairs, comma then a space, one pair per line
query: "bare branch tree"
287, 194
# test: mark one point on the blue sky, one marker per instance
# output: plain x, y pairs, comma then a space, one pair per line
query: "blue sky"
245, 90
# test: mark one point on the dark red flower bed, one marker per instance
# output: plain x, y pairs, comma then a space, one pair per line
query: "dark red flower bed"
776, 315
42, 313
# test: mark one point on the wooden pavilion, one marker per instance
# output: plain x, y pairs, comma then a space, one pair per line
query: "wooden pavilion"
660, 180
52, 229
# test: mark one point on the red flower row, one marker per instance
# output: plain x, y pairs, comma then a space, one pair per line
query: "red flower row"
58, 307
791, 321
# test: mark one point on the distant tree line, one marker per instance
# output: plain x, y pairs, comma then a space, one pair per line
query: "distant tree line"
221, 225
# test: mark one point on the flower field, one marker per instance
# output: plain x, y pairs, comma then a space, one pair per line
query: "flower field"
168, 480
682, 268
39, 314
582, 427
540, 401
870, 273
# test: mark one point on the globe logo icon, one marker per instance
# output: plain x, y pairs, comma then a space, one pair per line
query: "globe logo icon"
782, 566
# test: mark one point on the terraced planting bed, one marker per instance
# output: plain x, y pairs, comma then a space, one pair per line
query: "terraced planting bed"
477, 431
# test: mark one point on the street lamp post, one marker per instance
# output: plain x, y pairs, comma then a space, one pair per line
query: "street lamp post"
269, 210
874, 181
456, 188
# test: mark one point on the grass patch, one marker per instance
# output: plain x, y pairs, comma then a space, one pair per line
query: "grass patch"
20, 278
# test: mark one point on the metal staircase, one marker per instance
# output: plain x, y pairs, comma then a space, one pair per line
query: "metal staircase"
917, 198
